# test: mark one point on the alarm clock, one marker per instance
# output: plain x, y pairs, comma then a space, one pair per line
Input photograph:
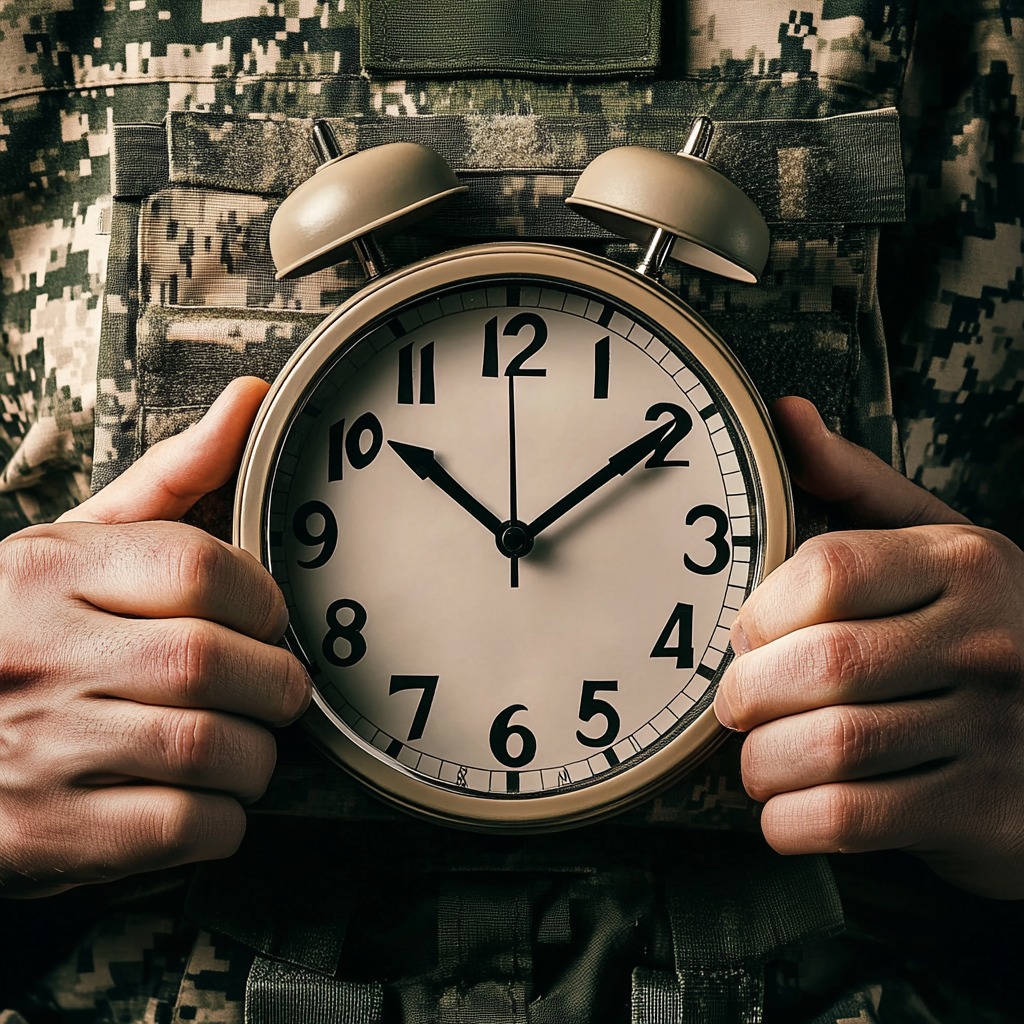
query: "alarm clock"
514, 494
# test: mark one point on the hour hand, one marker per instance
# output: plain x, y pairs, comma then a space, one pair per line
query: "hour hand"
424, 464
618, 464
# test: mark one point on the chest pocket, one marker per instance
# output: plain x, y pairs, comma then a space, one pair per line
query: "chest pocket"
553, 37
192, 301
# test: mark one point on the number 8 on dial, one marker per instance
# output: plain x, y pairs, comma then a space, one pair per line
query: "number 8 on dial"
514, 495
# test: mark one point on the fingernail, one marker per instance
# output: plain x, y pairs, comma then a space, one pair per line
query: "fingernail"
740, 643
723, 714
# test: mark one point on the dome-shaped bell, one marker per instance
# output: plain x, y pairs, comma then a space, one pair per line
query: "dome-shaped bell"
376, 190
634, 192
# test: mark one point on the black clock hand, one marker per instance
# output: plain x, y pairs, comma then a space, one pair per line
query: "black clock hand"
424, 464
618, 465
513, 497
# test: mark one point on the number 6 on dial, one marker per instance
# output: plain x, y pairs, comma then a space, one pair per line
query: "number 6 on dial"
501, 450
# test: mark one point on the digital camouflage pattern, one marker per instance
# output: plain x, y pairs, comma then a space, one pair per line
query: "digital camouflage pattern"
958, 366
184, 299
74, 69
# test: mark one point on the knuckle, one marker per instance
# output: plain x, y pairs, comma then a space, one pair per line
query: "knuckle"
1005, 658
840, 820
976, 552
34, 555
178, 830
831, 563
187, 830
848, 739
994, 656
848, 657
196, 564
840, 658
191, 661
190, 741
266, 603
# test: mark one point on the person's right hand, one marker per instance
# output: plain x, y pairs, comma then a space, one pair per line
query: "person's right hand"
138, 673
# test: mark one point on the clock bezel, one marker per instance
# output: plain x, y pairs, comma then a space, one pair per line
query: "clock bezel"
573, 268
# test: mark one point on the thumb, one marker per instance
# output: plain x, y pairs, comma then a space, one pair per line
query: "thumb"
175, 473
869, 491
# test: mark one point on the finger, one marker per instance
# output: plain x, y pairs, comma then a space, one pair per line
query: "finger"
870, 492
893, 813
175, 473
839, 744
134, 828
161, 570
847, 575
115, 831
183, 748
189, 663
945, 813
853, 662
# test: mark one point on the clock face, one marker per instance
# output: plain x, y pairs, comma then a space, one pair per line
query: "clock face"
513, 516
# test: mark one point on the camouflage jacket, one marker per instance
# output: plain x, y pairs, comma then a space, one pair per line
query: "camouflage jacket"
134, 220
949, 276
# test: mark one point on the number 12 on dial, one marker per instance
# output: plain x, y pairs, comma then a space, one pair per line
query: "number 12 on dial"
514, 497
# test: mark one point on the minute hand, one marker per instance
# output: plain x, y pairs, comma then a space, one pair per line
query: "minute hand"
618, 464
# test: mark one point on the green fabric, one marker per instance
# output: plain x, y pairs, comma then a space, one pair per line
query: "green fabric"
843, 169
141, 161
491, 919
198, 304
278, 994
761, 904
729, 996
553, 37
726, 927
77, 67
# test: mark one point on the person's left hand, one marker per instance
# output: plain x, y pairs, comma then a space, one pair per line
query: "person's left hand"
880, 676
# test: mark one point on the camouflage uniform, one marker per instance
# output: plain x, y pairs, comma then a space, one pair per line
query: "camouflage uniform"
135, 219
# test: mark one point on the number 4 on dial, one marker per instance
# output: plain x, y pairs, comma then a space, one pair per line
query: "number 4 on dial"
680, 623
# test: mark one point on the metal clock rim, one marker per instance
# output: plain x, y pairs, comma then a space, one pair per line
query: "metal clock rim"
572, 267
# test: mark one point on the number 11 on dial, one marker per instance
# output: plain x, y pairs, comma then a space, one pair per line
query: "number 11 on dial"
514, 506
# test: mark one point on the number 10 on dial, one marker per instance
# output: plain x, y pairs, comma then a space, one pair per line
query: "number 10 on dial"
514, 496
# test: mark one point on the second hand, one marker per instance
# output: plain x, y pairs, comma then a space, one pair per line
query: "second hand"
512, 495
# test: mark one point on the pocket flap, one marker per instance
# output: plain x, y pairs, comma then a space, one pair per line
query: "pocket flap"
552, 37
842, 169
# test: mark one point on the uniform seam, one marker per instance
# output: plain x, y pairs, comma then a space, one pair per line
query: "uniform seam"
88, 85
882, 99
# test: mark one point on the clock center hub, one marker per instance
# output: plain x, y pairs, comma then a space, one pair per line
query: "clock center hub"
514, 539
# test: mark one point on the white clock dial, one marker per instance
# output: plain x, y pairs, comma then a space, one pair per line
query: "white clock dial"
513, 519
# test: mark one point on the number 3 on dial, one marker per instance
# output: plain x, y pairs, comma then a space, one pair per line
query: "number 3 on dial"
716, 540
514, 412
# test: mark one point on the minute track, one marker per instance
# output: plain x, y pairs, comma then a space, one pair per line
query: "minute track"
594, 591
